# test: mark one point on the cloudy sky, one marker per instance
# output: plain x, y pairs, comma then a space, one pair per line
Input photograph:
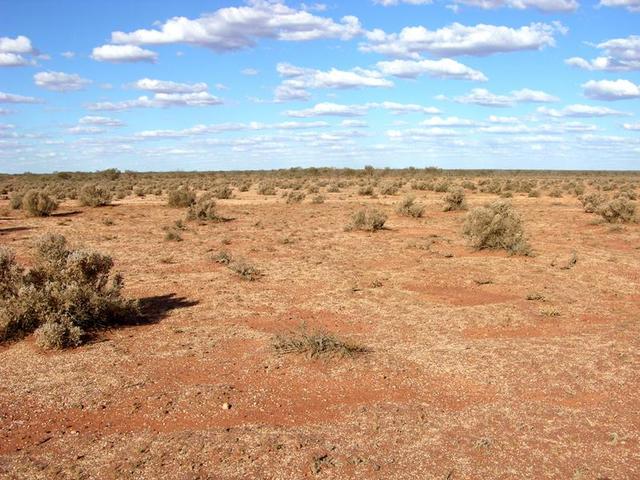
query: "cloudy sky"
220, 85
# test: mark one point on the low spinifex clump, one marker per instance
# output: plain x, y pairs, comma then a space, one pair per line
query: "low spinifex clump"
66, 295
496, 225
316, 343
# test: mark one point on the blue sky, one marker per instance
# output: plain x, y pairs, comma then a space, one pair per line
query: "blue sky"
208, 85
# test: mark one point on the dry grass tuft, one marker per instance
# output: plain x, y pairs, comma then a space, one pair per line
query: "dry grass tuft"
317, 343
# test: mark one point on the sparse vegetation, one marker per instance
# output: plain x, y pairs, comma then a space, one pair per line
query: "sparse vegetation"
455, 199
408, 207
38, 204
618, 210
496, 225
65, 296
181, 198
369, 220
204, 209
316, 343
92, 195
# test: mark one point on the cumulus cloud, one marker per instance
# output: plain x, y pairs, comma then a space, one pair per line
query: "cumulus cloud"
483, 97
100, 121
123, 54
13, 51
542, 5
448, 122
611, 89
442, 68
620, 55
60, 81
236, 28
250, 72
458, 39
579, 110
160, 100
631, 126
631, 5
162, 86
227, 127
299, 79
334, 109
11, 98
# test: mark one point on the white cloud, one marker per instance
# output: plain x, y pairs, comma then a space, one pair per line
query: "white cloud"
299, 79
329, 109
235, 28
160, 100
60, 82
12, 51
354, 124
100, 121
542, 5
620, 55
11, 98
442, 68
611, 89
631, 126
162, 86
250, 72
85, 130
631, 5
447, 122
334, 109
68, 54
578, 110
123, 54
458, 39
481, 96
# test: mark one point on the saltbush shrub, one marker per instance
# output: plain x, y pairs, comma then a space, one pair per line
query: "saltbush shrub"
455, 200
409, 207
370, 220
618, 210
92, 195
204, 209
496, 225
38, 203
181, 197
64, 296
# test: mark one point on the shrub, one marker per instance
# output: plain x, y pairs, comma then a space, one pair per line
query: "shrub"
592, 202
390, 188
617, 210
366, 190
65, 295
455, 199
180, 198
295, 197
370, 220
333, 188
266, 188
92, 195
222, 192
15, 200
38, 203
204, 209
172, 236
315, 344
409, 207
496, 226
317, 199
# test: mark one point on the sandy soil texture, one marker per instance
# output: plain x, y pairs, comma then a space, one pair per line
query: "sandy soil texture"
464, 378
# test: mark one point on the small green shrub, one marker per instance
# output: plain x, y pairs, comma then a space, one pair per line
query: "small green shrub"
266, 188
295, 197
408, 207
496, 225
222, 192
38, 203
592, 202
366, 190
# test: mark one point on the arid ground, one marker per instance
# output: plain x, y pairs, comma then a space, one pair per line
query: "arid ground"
479, 365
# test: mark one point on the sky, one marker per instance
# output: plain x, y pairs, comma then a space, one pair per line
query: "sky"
260, 84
